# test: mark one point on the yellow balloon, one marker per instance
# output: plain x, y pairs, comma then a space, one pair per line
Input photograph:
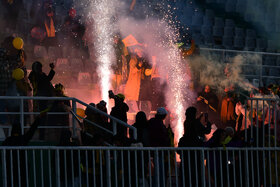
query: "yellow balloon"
18, 74
18, 43
80, 112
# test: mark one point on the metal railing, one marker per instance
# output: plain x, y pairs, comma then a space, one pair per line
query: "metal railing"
260, 63
22, 113
262, 121
138, 166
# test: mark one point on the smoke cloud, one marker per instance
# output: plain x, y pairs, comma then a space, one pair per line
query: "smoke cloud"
219, 75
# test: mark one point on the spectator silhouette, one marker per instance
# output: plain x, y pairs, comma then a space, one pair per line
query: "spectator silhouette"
53, 134
141, 124
227, 109
42, 86
119, 111
102, 119
207, 101
194, 130
158, 131
89, 130
193, 137
159, 138
41, 83
19, 164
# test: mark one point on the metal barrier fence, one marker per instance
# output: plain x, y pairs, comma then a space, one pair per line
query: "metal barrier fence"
262, 121
138, 166
264, 67
19, 110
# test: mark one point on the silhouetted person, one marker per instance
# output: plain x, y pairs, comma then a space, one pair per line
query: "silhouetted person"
195, 131
58, 119
193, 137
18, 139
159, 138
141, 124
119, 111
207, 102
42, 86
158, 131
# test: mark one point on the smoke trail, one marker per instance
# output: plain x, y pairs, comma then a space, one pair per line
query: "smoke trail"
103, 26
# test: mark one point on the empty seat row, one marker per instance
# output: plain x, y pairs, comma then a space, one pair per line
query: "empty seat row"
55, 52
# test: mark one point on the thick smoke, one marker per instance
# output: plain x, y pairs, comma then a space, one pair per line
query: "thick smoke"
220, 75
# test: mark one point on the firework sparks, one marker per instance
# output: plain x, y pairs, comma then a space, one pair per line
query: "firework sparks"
178, 81
104, 11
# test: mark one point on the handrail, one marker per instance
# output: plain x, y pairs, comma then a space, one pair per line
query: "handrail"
138, 148
238, 51
37, 98
111, 117
115, 121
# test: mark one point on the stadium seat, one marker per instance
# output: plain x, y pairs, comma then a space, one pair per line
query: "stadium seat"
84, 78
133, 107
229, 23
277, 27
77, 64
210, 1
238, 42
208, 40
269, 22
240, 6
209, 13
54, 52
269, 60
145, 106
207, 21
250, 33
278, 61
274, 72
271, 46
206, 30
230, 6
239, 32
249, 17
228, 31
270, 81
227, 42
221, 1
264, 71
219, 22
218, 31
256, 82
62, 64
250, 43
261, 44
40, 51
